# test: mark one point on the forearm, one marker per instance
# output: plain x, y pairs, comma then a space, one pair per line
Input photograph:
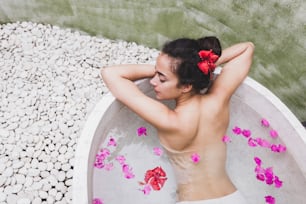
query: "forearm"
131, 72
233, 51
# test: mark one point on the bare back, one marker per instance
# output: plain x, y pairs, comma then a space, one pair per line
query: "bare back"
204, 123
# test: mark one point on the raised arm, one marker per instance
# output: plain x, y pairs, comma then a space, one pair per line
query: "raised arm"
237, 61
119, 80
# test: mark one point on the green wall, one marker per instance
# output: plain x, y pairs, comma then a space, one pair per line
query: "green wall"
277, 28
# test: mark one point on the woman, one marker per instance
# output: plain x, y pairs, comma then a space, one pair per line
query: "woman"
192, 132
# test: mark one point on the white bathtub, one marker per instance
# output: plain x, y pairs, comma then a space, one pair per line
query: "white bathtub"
250, 103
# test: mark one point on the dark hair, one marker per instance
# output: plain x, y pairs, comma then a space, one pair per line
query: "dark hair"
184, 51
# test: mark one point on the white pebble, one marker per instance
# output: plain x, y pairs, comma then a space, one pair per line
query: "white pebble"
52, 180
61, 187
16, 188
2, 196
12, 198
66, 167
43, 194
28, 181
50, 83
33, 172
59, 196
20, 178
4, 133
2, 180
61, 176
42, 166
37, 200
36, 186
24, 201
63, 149
8, 172
18, 164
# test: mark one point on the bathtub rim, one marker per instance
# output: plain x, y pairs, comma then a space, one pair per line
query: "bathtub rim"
84, 155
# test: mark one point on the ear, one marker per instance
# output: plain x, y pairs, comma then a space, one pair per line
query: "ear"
186, 88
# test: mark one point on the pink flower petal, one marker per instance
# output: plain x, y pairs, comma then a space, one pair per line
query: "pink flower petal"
273, 133
246, 133
278, 183
112, 142
142, 131
260, 177
270, 199
195, 158
236, 130
146, 189
252, 142
105, 152
257, 161
108, 166
121, 159
129, 175
157, 151
127, 171
262, 142
265, 122
97, 201
278, 148
281, 148
226, 139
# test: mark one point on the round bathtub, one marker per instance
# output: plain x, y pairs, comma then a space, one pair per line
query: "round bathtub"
250, 103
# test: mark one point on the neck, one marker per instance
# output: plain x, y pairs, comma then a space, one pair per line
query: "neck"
184, 99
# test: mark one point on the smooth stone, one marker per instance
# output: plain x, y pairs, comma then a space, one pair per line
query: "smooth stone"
2, 180
23, 170
61, 187
30, 151
46, 187
36, 186
16, 188
37, 200
24, 201
43, 194
52, 180
63, 149
49, 166
59, 196
8, 172
20, 178
34, 163
28, 181
69, 173
50, 199
12, 198
42, 166
8, 190
61, 176
66, 167
52, 192
18, 164
2, 167
33, 172
2, 196
68, 182
44, 174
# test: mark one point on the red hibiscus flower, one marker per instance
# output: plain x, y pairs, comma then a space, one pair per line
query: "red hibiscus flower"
156, 178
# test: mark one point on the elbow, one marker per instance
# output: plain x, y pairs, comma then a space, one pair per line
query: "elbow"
250, 46
104, 73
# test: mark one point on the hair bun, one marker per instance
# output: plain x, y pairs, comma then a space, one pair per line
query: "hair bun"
210, 43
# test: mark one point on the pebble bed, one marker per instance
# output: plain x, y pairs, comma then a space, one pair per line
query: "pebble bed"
49, 83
